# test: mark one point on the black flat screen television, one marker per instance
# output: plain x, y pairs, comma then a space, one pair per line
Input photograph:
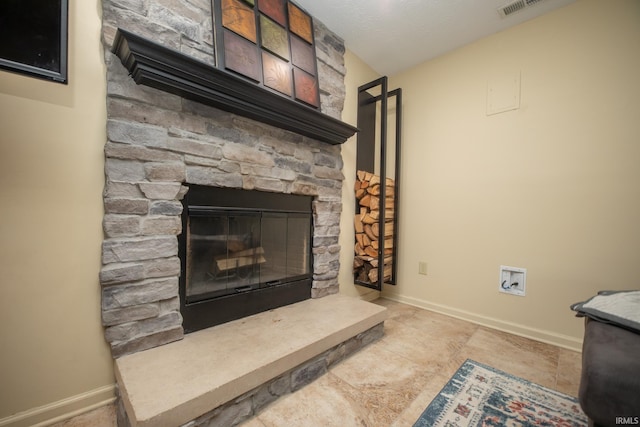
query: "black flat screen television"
33, 38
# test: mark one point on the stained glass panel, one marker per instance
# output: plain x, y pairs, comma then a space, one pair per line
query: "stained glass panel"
302, 55
270, 42
274, 37
241, 56
239, 18
277, 73
300, 23
274, 9
306, 87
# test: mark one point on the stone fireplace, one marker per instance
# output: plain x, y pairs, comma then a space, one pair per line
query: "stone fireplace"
192, 153
159, 144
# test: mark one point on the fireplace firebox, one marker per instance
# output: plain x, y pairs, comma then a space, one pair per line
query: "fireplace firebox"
242, 252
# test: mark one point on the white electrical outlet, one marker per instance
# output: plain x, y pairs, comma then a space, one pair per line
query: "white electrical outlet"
513, 280
422, 268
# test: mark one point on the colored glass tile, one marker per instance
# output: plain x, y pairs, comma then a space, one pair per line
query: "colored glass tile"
270, 42
306, 87
274, 37
274, 9
241, 56
302, 55
277, 73
239, 18
300, 23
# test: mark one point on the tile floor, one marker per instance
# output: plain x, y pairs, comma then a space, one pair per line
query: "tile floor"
390, 382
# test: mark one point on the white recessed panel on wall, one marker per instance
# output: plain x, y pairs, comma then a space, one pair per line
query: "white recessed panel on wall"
513, 280
503, 93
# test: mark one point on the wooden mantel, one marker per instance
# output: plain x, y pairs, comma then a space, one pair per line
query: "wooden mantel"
157, 66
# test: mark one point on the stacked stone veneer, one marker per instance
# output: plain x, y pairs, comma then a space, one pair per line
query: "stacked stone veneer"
158, 142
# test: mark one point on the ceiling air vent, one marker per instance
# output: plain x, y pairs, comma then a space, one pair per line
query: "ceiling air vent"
516, 6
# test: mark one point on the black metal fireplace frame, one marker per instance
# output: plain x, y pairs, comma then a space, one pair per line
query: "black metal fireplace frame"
210, 312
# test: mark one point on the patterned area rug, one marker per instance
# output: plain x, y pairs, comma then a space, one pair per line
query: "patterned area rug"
479, 395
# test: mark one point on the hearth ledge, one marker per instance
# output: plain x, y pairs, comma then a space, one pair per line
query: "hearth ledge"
178, 382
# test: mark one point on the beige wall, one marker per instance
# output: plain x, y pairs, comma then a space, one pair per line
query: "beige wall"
358, 73
53, 359
553, 187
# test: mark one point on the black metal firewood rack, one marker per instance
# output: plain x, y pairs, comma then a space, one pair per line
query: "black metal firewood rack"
378, 158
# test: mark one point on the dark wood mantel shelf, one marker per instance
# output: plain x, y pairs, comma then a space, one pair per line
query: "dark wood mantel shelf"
162, 68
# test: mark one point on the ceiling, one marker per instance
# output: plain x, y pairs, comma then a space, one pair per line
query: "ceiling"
393, 35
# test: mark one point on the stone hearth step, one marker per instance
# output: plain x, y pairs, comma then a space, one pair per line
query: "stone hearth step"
178, 382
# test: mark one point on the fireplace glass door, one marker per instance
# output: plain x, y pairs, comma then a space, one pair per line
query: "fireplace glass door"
231, 251
242, 252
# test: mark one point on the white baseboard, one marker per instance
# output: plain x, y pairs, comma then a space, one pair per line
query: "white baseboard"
548, 337
61, 410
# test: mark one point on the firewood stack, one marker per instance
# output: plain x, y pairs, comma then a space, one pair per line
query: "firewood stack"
369, 229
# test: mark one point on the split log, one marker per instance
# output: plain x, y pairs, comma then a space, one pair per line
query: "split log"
375, 190
236, 244
365, 201
368, 231
238, 259
373, 274
369, 250
358, 224
373, 202
388, 244
375, 229
388, 229
368, 226
357, 263
368, 219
